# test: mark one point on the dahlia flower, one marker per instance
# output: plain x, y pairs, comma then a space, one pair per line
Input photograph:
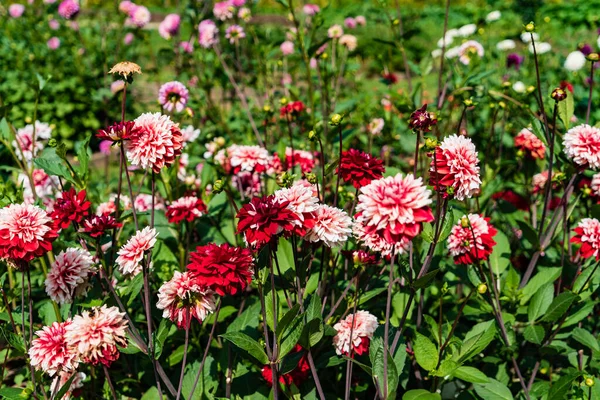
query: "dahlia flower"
349, 41
189, 134
62, 378
223, 10
363, 325
26, 232
335, 32
247, 183
514, 60
222, 268
53, 43
311, 9
422, 120
234, 33
187, 207
292, 109
471, 239
540, 47
332, 226
305, 159
139, 17
350, 23
207, 33
264, 218
244, 14
587, 234
70, 207
44, 186
249, 158
96, 333
173, 95
68, 8
518, 201
156, 143
595, 185
390, 213
16, 10
468, 50
507, 44
143, 202
575, 61
359, 168
69, 275
295, 376
169, 26
183, 296
376, 126
50, 353
24, 145
301, 201
530, 144
582, 145
132, 253
493, 16
287, 48
99, 225
360, 20
126, 6
118, 131
454, 167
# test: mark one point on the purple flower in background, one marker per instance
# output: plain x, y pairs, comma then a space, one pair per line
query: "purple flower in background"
53, 24
68, 8
16, 10
514, 60
169, 26
53, 43
238, 3
350, 23
585, 48
173, 95
105, 147
128, 39
207, 33
187, 47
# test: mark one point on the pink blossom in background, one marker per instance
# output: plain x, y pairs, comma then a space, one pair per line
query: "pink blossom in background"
234, 33
313, 63
287, 48
127, 6
207, 33
360, 20
16, 10
68, 8
238, 3
244, 14
53, 24
173, 96
128, 39
311, 9
286, 79
53, 43
223, 10
335, 31
187, 47
105, 147
350, 23
74, 25
138, 17
117, 86
169, 26
349, 42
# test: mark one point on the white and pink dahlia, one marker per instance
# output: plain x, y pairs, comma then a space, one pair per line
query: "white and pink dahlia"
26, 146
143, 202
249, 158
62, 378
132, 253
183, 297
471, 239
582, 145
189, 134
376, 126
156, 143
50, 353
595, 185
173, 96
587, 234
96, 333
468, 50
234, 33
335, 31
363, 325
302, 201
223, 10
207, 33
186, 208
332, 226
454, 168
139, 16
390, 213
69, 275
169, 26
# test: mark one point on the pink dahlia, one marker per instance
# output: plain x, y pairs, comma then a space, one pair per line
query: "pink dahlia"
539, 181
287, 48
305, 159
207, 33
188, 208
53, 43
99, 225
50, 353
587, 234
70, 207
471, 240
223, 10
189, 134
361, 20
143, 202
335, 32
96, 333
222, 268
156, 143
68, 8
139, 16
126, 6
350, 23
455, 168
69, 275
359, 168
468, 50
173, 95
132, 253
24, 145
390, 213
249, 158
183, 296
332, 226
234, 33
582, 145
363, 325
169, 26
310, 9
301, 201
264, 218
595, 185
16, 10
376, 126
26, 232
529, 144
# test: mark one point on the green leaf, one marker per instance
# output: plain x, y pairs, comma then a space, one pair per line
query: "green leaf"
16, 341
446, 368
64, 388
290, 339
206, 383
560, 388
470, 374
400, 358
176, 356
10, 393
51, 163
544, 276
566, 108
151, 394
559, 306
500, 257
249, 317
540, 302
493, 390
47, 313
586, 338
83, 152
534, 334
132, 347
421, 394
426, 280
248, 344
476, 340
426, 352
5, 132
286, 320
314, 308
376, 354
134, 288
159, 337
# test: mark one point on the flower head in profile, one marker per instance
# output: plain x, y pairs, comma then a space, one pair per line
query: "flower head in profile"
50, 353
173, 96
224, 269
249, 158
391, 212
26, 232
582, 145
207, 33
183, 298
69, 275
234, 33
575, 61
360, 168
349, 41
264, 218
587, 234
68, 8
422, 120
186, 208
471, 239
455, 168
156, 143
99, 225
332, 226
530, 144
296, 376
354, 333
118, 131
468, 50
70, 207
126, 69
96, 333
169, 26
132, 253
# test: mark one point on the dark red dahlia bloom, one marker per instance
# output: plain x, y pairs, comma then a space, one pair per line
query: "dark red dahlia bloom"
70, 207
188, 208
222, 268
98, 225
566, 85
296, 376
518, 201
264, 218
118, 131
389, 78
360, 168
422, 120
292, 109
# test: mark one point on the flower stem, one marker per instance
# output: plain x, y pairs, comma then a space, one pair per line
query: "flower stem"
548, 188
185, 350
589, 105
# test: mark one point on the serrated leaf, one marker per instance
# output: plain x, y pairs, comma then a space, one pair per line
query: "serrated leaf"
586, 338
534, 334
559, 306
426, 352
540, 302
159, 337
476, 340
288, 317
544, 276
290, 339
566, 108
248, 344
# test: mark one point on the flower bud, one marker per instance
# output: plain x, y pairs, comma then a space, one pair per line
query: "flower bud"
431, 144
482, 288
311, 178
468, 102
285, 180
27, 120
558, 95
506, 84
587, 191
217, 186
396, 21
312, 136
530, 27
593, 57
589, 381
530, 89
324, 56
189, 112
544, 370
464, 222
283, 101
52, 142
336, 119
267, 108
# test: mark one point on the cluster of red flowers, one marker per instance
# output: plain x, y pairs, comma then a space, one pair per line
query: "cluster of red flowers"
360, 168
292, 109
69, 207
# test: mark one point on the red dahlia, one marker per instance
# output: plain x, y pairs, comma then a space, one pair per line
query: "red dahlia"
99, 225
471, 239
518, 201
188, 208
70, 207
222, 268
296, 376
118, 131
422, 119
360, 168
292, 109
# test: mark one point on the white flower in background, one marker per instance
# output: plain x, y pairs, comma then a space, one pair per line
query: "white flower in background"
507, 44
467, 30
436, 53
452, 52
189, 134
526, 37
468, 49
540, 48
493, 16
598, 42
349, 41
575, 61
519, 87
449, 38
